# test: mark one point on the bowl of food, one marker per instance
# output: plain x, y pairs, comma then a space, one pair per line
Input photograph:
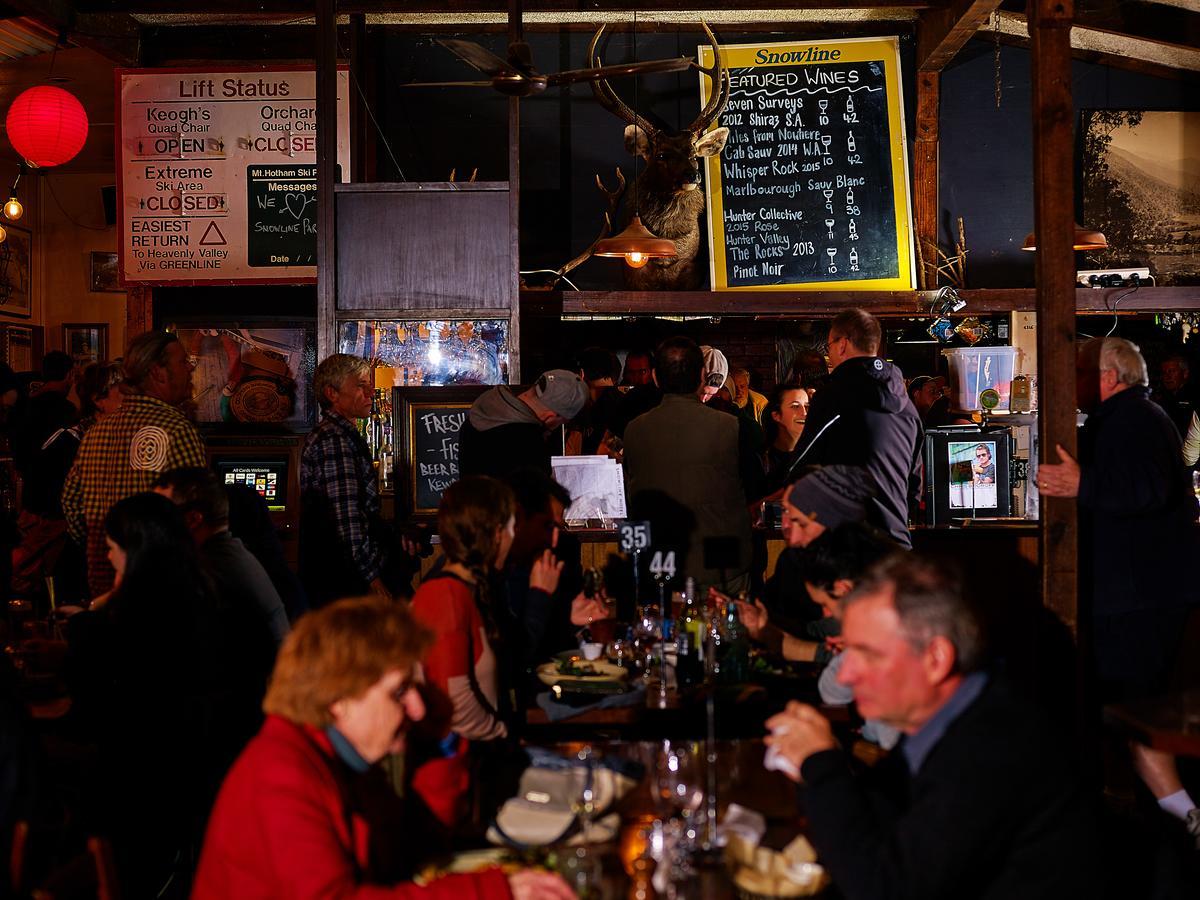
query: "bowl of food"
760, 873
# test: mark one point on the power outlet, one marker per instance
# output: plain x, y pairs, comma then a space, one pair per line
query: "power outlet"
1098, 277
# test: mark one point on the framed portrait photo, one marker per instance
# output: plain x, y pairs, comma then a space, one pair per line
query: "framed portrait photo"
16, 268
86, 342
105, 276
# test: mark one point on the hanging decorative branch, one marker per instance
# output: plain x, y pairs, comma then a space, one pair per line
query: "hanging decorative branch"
935, 264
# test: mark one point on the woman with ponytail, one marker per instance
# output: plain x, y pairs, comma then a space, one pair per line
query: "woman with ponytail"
476, 522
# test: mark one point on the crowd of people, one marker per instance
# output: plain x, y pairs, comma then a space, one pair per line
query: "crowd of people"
243, 726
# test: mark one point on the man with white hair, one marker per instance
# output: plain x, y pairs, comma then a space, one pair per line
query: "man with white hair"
1137, 516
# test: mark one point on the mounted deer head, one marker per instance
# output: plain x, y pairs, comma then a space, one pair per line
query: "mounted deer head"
672, 158
665, 193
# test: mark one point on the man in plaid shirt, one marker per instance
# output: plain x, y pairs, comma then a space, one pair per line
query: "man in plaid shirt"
123, 453
347, 548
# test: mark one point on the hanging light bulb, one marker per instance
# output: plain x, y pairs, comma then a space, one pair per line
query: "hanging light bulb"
636, 244
13, 208
3, 234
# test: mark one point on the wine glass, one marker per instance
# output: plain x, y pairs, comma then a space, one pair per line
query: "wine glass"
680, 776
581, 870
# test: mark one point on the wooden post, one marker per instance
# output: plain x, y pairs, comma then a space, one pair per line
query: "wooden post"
1054, 218
515, 33
925, 177
363, 135
326, 165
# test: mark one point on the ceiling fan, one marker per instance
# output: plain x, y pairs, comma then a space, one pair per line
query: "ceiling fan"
517, 77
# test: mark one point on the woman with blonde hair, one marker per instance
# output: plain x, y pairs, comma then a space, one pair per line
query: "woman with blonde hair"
289, 822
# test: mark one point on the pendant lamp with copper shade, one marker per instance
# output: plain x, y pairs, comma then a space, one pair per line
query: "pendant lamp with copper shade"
636, 243
1085, 239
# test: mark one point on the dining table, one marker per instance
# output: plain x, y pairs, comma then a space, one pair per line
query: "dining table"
618, 868
1170, 722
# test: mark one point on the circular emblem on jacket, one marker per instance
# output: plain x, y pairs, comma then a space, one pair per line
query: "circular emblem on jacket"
879, 365
148, 449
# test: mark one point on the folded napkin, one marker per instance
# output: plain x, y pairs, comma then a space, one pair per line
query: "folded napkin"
556, 710
541, 812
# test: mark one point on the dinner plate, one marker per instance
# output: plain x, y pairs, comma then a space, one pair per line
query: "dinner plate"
598, 671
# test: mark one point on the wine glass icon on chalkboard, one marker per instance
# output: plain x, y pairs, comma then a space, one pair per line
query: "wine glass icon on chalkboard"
829, 225
823, 105
828, 199
826, 140
832, 251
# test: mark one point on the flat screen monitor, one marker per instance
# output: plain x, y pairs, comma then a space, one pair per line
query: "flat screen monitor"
268, 476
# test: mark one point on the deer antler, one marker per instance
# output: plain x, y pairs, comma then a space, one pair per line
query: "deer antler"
719, 76
610, 215
608, 98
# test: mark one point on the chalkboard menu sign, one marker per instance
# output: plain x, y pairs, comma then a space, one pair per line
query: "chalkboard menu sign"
811, 191
428, 421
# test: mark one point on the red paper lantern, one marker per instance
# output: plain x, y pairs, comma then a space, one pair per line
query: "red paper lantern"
47, 125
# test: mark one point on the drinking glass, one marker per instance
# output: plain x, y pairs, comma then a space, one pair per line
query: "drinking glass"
680, 776
582, 869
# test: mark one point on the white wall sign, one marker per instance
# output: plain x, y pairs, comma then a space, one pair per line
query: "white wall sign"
217, 174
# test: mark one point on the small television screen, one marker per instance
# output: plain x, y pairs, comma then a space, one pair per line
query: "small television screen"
967, 473
267, 476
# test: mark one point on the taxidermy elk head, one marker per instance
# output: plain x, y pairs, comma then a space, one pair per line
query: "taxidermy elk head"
666, 193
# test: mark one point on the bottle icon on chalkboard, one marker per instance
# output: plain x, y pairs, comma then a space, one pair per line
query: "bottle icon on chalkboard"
853, 234
850, 103
853, 256
849, 196
850, 143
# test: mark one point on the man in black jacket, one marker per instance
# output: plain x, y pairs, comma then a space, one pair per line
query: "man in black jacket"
979, 799
863, 417
1137, 534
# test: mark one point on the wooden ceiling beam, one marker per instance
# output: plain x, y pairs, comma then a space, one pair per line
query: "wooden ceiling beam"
941, 33
114, 35
305, 7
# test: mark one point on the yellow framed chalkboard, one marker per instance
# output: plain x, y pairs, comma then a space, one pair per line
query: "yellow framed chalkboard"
811, 191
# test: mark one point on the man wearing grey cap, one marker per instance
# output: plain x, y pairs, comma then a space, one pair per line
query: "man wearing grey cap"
506, 431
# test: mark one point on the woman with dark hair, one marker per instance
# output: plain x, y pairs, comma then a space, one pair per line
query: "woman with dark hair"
783, 420
46, 549
476, 524
139, 669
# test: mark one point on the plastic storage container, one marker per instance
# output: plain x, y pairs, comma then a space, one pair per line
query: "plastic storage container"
974, 370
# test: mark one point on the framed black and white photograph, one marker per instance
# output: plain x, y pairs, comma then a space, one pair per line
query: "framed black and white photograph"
1140, 172
105, 275
16, 266
86, 342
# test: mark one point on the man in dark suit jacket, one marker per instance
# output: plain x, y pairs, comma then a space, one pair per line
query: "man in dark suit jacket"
682, 472
979, 799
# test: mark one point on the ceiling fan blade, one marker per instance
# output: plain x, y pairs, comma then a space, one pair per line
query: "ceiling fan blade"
423, 84
481, 58
649, 67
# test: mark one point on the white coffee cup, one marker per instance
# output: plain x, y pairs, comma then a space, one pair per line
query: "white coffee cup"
591, 650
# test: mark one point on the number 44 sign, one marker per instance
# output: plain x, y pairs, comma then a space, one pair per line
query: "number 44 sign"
634, 537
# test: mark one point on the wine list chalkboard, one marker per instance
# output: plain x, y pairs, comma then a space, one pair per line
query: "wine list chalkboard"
811, 190
281, 220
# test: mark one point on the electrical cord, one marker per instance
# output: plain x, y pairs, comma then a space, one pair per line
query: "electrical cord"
549, 272
70, 218
1113, 308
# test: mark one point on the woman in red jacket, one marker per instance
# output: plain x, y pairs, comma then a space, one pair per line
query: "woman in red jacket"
298, 816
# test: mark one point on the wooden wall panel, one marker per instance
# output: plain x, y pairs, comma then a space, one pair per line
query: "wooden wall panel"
423, 249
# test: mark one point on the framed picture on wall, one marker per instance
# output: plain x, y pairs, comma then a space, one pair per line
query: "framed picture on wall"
21, 346
105, 276
86, 342
16, 266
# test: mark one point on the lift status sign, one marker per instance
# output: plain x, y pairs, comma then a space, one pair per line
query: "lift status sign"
218, 175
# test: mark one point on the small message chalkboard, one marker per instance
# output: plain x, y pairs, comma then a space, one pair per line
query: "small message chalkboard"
281, 215
811, 190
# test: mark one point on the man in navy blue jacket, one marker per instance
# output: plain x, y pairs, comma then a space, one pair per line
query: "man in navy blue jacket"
1137, 537
979, 799
863, 417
